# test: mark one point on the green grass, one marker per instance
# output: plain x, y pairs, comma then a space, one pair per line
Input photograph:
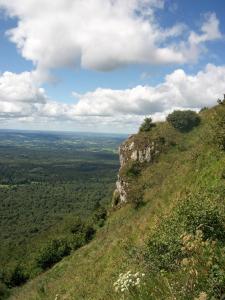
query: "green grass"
192, 166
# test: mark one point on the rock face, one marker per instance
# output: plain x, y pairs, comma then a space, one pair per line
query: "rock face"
137, 148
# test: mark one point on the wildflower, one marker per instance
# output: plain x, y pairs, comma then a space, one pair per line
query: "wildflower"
128, 281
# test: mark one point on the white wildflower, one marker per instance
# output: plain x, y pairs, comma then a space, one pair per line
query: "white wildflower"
128, 281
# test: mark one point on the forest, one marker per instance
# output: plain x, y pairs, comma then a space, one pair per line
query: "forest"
54, 187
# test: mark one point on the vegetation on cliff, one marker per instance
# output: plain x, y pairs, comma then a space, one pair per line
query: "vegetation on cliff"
176, 238
184, 121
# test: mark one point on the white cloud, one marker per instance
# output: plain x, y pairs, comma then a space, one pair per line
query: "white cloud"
107, 109
99, 34
210, 30
178, 90
19, 96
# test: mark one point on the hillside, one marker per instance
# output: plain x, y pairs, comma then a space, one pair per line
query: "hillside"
47, 181
174, 233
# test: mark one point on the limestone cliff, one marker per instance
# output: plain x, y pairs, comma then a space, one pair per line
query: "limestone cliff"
141, 149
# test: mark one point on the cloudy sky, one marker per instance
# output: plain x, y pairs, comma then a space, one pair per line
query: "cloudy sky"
103, 65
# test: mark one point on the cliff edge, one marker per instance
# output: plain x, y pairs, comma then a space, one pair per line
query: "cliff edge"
137, 152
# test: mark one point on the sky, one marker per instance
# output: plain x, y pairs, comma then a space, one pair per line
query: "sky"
104, 65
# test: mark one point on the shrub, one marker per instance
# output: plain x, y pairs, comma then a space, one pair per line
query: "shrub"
218, 127
147, 125
76, 226
133, 169
14, 276
200, 272
221, 102
89, 233
205, 215
76, 241
197, 212
184, 121
100, 216
82, 233
52, 252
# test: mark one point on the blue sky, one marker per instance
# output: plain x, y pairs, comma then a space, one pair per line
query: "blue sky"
105, 65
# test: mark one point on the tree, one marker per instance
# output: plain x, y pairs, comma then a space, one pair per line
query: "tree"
184, 121
147, 125
52, 252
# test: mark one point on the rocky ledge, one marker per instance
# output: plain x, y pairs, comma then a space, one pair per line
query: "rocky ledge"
140, 148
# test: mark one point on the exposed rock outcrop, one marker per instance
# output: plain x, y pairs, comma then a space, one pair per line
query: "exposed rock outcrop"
140, 148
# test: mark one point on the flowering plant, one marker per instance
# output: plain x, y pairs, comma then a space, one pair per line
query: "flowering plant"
129, 282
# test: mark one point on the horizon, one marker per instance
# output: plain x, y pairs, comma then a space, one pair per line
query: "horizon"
13, 130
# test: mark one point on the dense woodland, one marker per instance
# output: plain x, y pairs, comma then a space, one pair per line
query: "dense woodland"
51, 183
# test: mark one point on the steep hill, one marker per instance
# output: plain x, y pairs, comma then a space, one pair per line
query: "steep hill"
167, 222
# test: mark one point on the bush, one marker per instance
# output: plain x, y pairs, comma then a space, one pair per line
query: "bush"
218, 127
133, 169
14, 275
52, 252
163, 248
184, 121
82, 233
147, 125
200, 213
100, 216
199, 274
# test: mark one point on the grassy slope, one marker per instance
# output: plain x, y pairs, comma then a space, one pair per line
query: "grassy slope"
89, 273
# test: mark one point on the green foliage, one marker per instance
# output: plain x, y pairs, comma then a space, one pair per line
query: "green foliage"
196, 212
201, 212
136, 195
4, 291
132, 169
45, 179
200, 273
16, 276
218, 127
147, 125
52, 252
81, 232
184, 121
76, 234
182, 220
100, 216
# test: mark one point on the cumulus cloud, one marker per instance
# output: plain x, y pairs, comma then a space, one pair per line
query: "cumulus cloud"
19, 95
22, 99
179, 90
100, 34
